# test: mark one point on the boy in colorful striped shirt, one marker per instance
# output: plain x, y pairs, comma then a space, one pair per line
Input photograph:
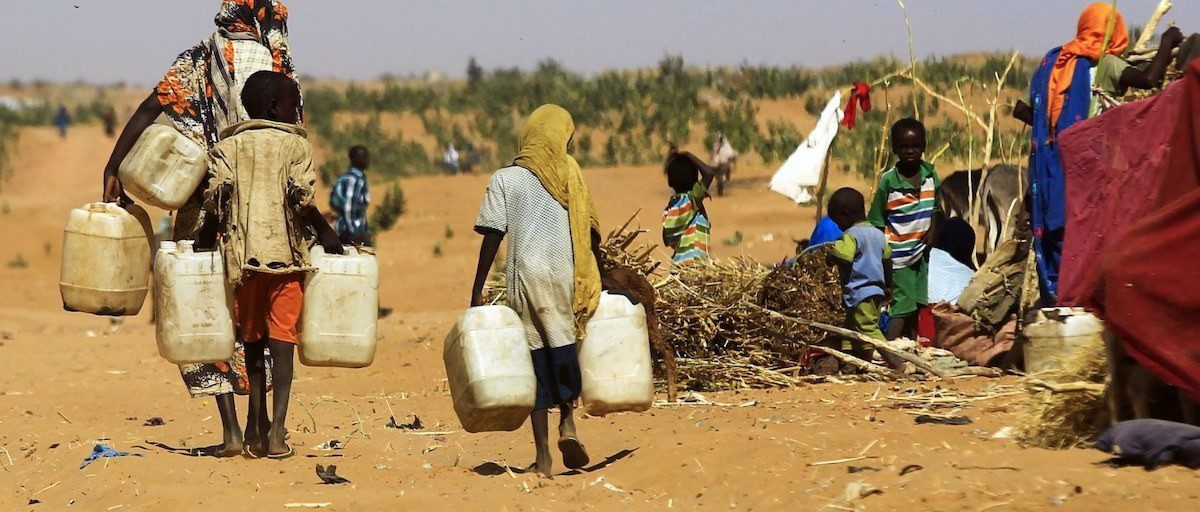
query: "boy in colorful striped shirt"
905, 200
685, 221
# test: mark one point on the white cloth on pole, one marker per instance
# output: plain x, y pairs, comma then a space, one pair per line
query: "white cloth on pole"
801, 172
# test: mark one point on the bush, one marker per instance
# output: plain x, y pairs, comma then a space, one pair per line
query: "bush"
782, 139
390, 210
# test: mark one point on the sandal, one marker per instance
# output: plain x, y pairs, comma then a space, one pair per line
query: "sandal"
291, 452
574, 454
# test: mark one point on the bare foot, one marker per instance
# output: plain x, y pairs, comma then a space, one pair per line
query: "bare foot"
228, 449
277, 447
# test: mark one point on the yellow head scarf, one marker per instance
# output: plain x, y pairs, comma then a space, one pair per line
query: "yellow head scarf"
543, 150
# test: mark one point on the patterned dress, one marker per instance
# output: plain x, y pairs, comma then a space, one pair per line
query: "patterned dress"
201, 95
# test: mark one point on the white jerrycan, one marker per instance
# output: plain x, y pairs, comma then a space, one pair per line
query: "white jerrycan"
341, 309
489, 370
105, 259
192, 304
163, 168
614, 358
1055, 334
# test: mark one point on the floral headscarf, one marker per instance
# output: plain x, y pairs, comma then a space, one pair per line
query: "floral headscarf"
196, 89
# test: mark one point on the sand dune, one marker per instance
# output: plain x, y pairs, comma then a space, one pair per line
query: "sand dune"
72, 380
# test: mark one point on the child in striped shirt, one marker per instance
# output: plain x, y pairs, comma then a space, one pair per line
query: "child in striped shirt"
685, 221
905, 200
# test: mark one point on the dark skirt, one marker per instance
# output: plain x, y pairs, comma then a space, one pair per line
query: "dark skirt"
558, 378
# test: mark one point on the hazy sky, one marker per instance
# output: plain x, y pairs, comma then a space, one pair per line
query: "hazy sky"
135, 40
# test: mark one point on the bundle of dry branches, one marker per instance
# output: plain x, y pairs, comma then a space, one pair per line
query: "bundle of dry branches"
1066, 407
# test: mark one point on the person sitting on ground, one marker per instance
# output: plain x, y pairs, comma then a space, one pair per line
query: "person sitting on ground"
825, 232
350, 198
950, 263
686, 227
864, 261
1113, 76
543, 206
260, 195
905, 200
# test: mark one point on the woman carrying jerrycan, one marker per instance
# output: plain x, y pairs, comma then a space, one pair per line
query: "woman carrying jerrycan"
201, 96
542, 205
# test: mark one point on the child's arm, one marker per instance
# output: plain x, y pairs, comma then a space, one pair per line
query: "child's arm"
1153, 76
487, 256
707, 174
326, 236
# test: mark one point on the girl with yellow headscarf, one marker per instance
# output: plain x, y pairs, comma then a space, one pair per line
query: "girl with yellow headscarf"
542, 206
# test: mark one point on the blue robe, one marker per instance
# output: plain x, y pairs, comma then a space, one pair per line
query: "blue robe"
1048, 183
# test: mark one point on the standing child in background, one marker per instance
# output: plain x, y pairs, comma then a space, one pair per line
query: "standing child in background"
686, 227
904, 204
261, 192
864, 261
350, 197
542, 205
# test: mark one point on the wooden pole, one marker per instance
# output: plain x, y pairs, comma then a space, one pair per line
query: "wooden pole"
879, 345
1152, 25
822, 183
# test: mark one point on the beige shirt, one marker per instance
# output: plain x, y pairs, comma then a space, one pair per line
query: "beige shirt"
255, 168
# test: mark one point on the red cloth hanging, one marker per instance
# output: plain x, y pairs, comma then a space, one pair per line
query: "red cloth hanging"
1149, 291
860, 95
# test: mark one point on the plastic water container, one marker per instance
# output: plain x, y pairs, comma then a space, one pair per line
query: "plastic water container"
341, 309
192, 304
614, 359
164, 167
1054, 334
105, 260
489, 370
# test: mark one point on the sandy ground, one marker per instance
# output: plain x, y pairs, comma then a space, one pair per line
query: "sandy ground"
72, 380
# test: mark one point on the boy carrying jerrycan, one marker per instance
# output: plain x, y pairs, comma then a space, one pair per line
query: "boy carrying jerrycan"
507, 362
260, 199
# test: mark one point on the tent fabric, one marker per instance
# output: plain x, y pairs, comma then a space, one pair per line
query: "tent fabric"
802, 171
1149, 291
1114, 164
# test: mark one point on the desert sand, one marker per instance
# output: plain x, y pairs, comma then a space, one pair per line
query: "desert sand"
73, 380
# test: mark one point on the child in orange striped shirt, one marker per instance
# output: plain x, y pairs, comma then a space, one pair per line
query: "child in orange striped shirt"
906, 199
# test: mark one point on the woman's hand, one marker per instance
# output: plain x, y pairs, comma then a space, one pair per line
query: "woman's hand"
113, 191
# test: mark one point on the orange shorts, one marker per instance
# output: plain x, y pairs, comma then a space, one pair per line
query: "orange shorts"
269, 305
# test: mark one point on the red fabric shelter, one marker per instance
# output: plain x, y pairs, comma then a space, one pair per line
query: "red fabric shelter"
1114, 165
1149, 284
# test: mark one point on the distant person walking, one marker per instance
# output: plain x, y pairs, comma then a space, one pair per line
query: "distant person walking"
63, 121
450, 160
723, 158
201, 96
108, 117
350, 198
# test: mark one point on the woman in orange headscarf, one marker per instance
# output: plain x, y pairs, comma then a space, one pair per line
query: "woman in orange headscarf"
1061, 94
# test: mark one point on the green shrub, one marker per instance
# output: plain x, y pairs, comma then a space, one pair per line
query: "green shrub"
390, 210
18, 262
